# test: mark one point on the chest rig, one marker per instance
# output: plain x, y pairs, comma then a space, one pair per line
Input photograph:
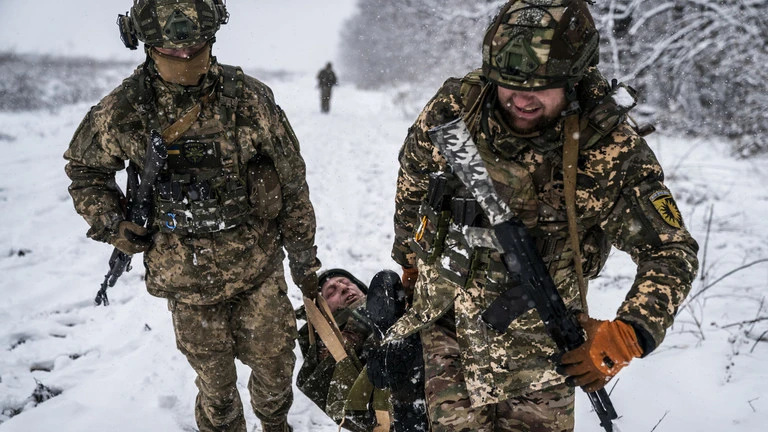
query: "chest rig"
201, 189
447, 209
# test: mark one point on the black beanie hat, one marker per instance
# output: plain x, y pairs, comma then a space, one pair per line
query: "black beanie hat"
331, 273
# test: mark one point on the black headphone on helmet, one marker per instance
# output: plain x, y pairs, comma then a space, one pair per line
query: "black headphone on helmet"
130, 36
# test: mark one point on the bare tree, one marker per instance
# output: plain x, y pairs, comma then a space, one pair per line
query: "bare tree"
400, 41
699, 64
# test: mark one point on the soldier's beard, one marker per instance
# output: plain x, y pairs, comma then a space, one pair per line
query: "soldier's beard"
545, 121
184, 71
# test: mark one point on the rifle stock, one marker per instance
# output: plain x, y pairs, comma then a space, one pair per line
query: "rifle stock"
140, 198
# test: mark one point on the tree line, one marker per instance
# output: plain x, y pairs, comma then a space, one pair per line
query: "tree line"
699, 64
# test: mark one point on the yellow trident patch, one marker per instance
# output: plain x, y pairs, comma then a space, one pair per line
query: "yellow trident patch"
667, 208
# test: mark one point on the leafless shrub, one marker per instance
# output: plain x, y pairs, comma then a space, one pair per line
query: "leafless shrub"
32, 82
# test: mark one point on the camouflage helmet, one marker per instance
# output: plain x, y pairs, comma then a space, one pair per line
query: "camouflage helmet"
540, 44
172, 23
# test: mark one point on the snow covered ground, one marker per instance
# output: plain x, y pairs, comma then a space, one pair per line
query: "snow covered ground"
117, 368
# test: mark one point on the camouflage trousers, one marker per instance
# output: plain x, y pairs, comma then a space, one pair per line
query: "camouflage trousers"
450, 410
258, 327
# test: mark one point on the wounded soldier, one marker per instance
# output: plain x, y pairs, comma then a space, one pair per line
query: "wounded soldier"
341, 388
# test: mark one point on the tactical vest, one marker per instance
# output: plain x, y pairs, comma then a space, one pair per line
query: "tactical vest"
201, 189
449, 208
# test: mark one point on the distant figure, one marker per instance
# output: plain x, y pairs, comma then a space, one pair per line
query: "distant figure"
326, 79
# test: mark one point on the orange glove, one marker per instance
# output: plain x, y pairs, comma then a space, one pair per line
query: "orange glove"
409, 278
610, 346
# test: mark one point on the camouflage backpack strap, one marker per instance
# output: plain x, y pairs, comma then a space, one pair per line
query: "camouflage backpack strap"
471, 87
230, 91
142, 97
180, 126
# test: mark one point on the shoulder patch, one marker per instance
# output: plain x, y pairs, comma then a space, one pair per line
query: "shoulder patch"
667, 208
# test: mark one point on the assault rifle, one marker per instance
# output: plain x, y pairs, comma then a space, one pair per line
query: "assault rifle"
140, 198
521, 258
519, 253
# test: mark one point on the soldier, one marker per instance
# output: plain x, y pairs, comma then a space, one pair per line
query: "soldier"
360, 312
231, 196
538, 79
340, 289
346, 298
326, 79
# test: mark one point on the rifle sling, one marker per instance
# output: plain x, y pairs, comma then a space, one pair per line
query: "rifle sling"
570, 169
325, 328
311, 333
180, 126
382, 421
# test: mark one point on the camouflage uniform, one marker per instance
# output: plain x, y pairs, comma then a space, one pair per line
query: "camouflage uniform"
621, 200
224, 282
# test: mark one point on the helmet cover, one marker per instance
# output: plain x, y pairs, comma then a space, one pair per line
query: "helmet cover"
539, 44
177, 24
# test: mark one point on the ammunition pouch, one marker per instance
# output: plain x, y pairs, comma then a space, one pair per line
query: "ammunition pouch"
430, 235
435, 215
189, 205
440, 237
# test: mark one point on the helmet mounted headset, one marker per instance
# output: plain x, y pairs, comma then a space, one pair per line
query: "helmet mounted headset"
171, 24
540, 44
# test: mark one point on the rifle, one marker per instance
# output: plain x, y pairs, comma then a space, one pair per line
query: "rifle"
519, 254
140, 198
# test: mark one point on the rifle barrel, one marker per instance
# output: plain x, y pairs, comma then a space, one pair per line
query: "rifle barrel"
140, 201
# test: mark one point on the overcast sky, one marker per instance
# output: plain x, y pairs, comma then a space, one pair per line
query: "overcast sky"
273, 34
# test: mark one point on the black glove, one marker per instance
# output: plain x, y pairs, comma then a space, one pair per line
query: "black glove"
395, 365
304, 266
308, 285
131, 238
386, 300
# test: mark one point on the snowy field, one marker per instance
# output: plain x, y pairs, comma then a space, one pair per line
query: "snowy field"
117, 368
69, 366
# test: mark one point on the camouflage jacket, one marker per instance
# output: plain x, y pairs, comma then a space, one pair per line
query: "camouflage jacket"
326, 78
198, 268
621, 201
